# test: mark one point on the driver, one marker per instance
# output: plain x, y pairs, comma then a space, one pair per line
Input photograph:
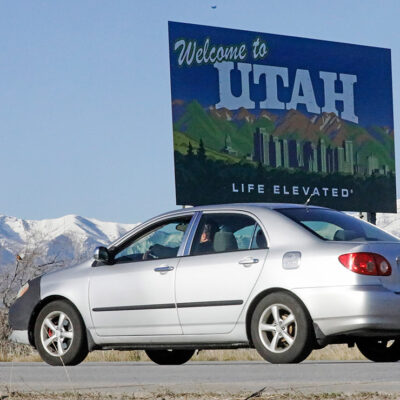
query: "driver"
206, 242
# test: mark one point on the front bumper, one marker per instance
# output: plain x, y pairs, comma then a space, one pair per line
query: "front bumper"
20, 313
353, 310
19, 337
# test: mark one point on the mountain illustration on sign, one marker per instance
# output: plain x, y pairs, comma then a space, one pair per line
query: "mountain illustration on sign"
321, 143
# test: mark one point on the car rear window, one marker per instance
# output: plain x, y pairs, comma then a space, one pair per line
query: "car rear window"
336, 226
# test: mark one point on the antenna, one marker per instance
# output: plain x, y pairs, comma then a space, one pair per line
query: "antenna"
308, 200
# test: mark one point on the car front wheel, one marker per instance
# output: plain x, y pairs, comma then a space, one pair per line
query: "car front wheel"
380, 350
170, 357
281, 329
60, 337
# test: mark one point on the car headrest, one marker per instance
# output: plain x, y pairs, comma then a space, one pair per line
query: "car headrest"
224, 241
260, 240
345, 234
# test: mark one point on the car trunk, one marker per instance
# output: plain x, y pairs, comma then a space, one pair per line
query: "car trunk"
391, 251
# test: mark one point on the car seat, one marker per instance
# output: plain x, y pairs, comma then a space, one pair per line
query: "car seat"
224, 241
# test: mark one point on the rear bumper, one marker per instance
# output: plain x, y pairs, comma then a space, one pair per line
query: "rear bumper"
19, 337
353, 310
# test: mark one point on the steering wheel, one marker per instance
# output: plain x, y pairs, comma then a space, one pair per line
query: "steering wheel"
148, 255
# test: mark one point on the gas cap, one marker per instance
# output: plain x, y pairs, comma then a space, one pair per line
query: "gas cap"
291, 260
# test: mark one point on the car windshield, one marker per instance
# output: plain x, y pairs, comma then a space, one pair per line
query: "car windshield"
336, 226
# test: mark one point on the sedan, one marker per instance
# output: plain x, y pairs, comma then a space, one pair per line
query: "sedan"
283, 279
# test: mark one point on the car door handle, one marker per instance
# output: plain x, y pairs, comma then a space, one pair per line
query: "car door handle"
246, 262
164, 269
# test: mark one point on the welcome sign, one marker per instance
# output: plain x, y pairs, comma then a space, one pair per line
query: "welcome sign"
262, 117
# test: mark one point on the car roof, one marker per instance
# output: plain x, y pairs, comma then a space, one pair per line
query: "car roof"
239, 207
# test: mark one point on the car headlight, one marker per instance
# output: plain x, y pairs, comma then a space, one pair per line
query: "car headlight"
23, 290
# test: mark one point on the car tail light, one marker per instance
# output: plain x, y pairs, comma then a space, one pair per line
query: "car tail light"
366, 263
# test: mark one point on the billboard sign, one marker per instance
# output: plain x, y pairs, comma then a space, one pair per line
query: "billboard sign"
262, 117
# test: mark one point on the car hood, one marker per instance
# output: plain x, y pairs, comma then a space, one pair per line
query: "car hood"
70, 269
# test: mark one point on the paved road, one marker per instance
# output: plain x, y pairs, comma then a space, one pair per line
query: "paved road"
232, 377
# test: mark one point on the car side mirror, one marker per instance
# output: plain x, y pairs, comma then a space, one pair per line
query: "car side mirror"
101, 254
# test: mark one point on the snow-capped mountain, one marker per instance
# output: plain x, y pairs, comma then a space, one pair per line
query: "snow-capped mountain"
68, 239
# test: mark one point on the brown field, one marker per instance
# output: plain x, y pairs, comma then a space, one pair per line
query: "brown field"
336, 352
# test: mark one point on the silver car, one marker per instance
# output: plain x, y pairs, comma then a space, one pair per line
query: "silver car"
285, 279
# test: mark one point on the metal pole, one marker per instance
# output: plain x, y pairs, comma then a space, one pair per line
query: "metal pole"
371, 217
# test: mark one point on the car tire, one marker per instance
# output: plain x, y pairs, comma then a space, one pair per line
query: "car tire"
277, 341
60, 345
170, 357
379, 350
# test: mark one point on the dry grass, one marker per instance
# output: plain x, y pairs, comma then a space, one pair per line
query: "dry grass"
337, 352
169, 395
115, 355
333, 352
11, 351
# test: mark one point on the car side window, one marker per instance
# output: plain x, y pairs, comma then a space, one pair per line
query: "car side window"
217, 233
160, 241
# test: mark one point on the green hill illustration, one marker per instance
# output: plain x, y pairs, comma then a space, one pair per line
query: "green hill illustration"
323, 143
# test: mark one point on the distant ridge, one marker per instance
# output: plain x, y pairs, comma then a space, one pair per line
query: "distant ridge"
70, 238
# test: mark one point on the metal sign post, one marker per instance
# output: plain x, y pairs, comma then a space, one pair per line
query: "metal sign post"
371, 217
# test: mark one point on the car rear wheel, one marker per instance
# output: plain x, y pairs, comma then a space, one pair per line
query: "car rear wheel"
380, 350
170, 357
281, 329
60, 336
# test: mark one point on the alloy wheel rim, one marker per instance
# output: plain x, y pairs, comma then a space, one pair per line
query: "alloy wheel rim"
277, 328
57, 333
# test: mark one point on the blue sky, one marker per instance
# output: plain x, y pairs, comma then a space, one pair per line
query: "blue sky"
85, 107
